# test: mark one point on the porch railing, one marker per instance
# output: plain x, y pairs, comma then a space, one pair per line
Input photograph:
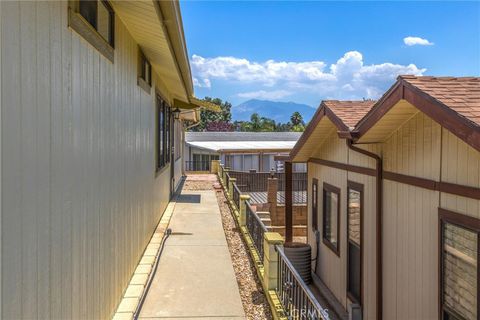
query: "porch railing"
236, 195
227, 178
279, 278
295, 296
256, 228
258, 181
197, 165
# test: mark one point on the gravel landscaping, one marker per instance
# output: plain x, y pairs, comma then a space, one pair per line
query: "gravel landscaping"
254, 301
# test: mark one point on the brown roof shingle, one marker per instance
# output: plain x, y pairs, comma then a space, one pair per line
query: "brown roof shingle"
349, 112
462, 94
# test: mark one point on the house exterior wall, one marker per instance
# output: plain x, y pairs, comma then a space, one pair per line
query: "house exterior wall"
410, 222
332, 269
80, 194
460, 165
419, 148
1, 153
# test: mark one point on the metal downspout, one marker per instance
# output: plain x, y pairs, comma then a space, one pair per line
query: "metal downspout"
379, 214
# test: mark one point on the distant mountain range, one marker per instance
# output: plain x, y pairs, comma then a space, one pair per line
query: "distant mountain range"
278, 111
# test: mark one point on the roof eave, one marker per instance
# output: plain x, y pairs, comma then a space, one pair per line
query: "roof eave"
170, 17
460, 126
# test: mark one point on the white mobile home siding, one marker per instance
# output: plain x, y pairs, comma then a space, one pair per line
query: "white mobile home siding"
79, 195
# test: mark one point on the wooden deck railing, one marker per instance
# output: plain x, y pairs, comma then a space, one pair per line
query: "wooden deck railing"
296, 299
256, 228
258, 181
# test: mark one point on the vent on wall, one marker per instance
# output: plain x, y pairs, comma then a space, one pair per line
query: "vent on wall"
354, 311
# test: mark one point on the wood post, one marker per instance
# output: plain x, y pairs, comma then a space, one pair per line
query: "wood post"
270, 259
272, 192
288, 203
214, 166
224, 177
231, 181
242, 210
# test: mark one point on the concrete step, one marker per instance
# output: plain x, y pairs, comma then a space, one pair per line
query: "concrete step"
263, 214
266, 221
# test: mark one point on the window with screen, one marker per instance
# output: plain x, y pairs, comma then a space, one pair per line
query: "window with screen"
266, 163
178, 139
331, 217
144, 72
94, 20
314, 204
459, 265
163, 134
229, 158
354, 245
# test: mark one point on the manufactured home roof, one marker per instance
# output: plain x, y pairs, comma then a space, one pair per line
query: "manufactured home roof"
242, 141
452, 102
460, 94
343, 114
349, 112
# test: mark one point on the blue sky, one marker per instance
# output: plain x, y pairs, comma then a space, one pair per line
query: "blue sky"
309, 51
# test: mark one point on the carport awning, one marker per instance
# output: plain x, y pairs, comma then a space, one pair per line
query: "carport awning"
197, 103
238, 146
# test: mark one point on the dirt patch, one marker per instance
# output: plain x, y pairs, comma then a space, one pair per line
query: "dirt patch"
196, 182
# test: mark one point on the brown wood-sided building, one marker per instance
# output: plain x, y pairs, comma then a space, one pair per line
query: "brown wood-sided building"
394, 199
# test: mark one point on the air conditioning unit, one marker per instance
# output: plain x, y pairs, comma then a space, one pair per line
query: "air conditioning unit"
354, 311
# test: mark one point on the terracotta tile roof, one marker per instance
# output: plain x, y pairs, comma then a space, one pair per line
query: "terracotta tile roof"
459, 94
349, 112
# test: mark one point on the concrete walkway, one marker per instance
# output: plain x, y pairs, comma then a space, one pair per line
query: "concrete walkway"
195, 277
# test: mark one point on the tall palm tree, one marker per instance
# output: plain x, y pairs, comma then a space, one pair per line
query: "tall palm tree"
296, 118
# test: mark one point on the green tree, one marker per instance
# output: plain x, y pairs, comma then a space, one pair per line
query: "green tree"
255, 123
208, 117
258, 124
297, 119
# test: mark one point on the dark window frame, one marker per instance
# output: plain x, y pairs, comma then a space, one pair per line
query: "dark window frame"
163, 142
463, 221
89, 31
314, 204
332, 189
178, 131
144, 79
358, 187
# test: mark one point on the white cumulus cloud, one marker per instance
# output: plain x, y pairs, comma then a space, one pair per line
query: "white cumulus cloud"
202, 83
412, 41
267, 95
348, 78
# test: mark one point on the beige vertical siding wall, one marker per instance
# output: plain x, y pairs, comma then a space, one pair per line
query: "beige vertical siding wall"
1, 163
80, 197
460, 165
410, 222
331, 268
420, 148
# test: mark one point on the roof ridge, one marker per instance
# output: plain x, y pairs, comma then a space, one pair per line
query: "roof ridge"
408, 76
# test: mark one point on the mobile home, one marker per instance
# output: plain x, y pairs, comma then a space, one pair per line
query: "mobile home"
240, 151
91, 136
394, 200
